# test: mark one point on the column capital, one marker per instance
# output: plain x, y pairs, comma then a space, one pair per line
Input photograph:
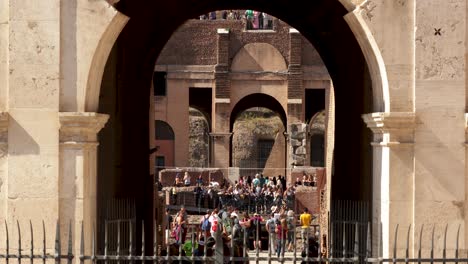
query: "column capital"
391, 129
80, 129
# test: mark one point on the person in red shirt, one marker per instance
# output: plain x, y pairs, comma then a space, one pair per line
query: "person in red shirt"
281, 232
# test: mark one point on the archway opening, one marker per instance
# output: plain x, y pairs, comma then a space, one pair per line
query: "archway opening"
258, 143
131, 68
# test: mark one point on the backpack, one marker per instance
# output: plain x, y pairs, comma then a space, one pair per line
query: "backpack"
271, 225
206, 225
214, 227
227, 225
290, 223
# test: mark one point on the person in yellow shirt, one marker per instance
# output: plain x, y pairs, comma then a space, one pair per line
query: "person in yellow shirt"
305, 219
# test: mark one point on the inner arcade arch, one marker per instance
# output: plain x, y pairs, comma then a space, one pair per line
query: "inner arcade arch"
322, 22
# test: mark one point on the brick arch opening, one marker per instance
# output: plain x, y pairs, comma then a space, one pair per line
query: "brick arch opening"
257, 100
358, 79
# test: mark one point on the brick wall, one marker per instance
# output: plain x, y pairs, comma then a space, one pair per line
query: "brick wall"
201, 36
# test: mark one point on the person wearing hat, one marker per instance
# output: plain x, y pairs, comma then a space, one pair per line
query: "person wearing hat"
271, 228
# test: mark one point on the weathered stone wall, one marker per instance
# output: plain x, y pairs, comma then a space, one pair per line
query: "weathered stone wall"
247, 132
198, 142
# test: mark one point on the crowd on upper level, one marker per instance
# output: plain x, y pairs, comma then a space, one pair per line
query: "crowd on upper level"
254, 19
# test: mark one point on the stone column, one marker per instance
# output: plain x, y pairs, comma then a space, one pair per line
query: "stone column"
393, 176
221, 136
221, 149
295, 77
298, 143
77, 175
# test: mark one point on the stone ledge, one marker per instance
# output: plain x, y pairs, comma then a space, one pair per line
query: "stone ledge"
391, 129
81, 127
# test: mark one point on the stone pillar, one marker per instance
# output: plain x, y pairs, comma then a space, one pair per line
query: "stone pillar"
222, 83
77, 175
393, 176
221, 150
298, 143
295, 77
221, 136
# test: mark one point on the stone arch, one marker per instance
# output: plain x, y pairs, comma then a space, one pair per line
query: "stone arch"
257, 100
316, 140
354, 19
164, 140
99, 59
339, 34
256, 57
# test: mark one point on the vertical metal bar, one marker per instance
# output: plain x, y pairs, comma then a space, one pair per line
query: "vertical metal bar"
269, 246
130, 244
368, 241
143, 240
180, 242
379, 240
119, 222
295, 241
257, 253
395, 244
93, 246
70, 243
7, 260
432, 245
444, 252
43, 243
192, 238
356, 240
420, 243
82, 244
58, 250
232, 241
106, 240
456, 246
205, 248
31, 257
344, 240
244, 242
407, 244
155, 244
19, 242
330, 239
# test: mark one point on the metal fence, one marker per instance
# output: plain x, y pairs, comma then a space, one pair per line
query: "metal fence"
233, 251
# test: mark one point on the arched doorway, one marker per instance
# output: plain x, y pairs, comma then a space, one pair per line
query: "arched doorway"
164, 141
260, 105
321, 22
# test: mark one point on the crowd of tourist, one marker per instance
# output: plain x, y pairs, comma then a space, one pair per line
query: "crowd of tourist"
235, 229
254, 19
252, 194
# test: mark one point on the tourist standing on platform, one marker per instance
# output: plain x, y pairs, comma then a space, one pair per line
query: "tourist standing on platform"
281, 231
305, 219
271, 228
291, 223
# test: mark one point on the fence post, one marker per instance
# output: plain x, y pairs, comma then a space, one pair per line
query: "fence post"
31, 257
82, 252
70, 247
43, 244
219, 251
58, 250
